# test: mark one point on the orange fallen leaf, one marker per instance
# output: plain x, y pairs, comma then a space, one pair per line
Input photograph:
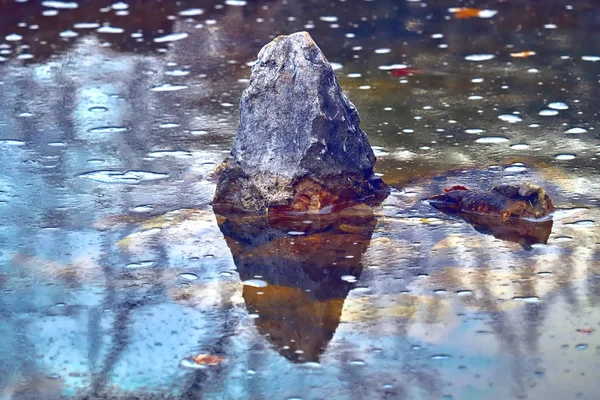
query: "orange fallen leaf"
523, 54
207, 359
467, 12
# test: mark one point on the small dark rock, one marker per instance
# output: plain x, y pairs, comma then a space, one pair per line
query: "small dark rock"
513, 213
505, 201
299, 146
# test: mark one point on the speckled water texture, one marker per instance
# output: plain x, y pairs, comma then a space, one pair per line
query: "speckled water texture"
115, 272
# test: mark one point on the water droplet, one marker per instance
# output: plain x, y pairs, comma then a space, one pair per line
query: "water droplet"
464, 293
13, 37
237, 3
198, 132
108, 129
110, 29
544, 273
187, 276
68, 34
86, 25
393, 66
120, 6
474, 131
142, 209
358, 362
590, 58
440, 357
61, 5
527, 299
259, 283
177, 72
548, 113
383, 51
173, 37
510, 118
191, 12
348, 278
440, 291
479, 57
558, 105
582, 346
167, 125
166, 87
565, 157
576, 130
9, 142
492, 140
296, 233
519, 146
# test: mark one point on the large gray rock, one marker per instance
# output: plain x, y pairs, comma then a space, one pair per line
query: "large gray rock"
299, 145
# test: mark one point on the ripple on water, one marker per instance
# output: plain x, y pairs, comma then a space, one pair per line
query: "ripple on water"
98, 109
108, 129
128, 177
187, 276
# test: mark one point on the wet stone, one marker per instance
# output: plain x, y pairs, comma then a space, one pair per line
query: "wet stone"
299, 146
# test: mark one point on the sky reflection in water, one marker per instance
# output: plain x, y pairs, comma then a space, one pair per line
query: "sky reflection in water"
115, 269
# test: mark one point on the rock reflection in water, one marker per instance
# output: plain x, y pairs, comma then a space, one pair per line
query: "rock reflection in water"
310, 263
521, 231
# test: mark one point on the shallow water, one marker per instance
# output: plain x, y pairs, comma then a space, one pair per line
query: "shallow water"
115, 272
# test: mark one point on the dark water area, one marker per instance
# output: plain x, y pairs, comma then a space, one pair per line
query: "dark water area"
115, 273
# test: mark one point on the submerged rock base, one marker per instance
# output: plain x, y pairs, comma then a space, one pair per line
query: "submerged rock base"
299, 146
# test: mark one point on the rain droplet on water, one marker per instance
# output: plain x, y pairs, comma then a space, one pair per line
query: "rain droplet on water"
166, 87
558, 105
440, 357
527, 299
519, 146
548, 113
565, 157
492, 140
173, 37
576, 130
479, 57
510, 118
190, 12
